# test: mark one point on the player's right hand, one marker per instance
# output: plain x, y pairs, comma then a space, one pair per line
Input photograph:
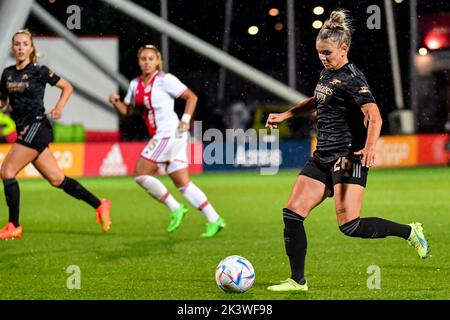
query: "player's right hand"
114, 98
273, 120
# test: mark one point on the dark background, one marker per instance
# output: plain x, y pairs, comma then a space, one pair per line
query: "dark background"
266, 51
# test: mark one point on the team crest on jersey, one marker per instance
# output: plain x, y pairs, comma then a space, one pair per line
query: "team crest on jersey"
25, 77
148, 89
9, 78
335, 81
364, 90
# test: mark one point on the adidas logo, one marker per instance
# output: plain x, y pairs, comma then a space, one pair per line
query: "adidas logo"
113, 164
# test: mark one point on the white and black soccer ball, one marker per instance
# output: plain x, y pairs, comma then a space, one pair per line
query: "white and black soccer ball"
235, 274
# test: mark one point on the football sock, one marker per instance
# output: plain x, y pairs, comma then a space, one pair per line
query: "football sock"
295, 243
76, 190
12, 195
158, 191
371, 228
198, 199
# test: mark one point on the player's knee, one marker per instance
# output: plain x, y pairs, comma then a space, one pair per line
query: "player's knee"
140, 179
55, 180
7, 173
300, 207
181, 184
351, 228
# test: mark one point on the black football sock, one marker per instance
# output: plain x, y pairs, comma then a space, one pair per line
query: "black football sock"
371, 228
76, 190
12, 195
295, 243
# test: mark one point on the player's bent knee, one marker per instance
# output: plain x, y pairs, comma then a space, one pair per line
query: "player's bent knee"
300, 208
7, 174
55, 181
139, 179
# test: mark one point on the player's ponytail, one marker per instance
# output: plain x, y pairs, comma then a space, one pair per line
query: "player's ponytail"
337, 28
35, 54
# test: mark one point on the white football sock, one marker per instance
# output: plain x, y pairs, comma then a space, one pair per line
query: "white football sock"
157, 189
198, 199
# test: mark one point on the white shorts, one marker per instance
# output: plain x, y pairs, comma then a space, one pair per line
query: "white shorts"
172, 152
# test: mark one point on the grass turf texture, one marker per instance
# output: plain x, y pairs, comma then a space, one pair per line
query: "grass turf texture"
137, 259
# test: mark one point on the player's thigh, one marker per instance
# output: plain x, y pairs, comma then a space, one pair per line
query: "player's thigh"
47, 165
16, 159
145, 167
180, 177
306, 194
348, 199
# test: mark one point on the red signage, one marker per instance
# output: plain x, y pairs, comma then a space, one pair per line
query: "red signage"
432, 149
435, 30
119, 159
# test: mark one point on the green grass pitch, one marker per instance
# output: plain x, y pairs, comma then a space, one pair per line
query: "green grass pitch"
137, 259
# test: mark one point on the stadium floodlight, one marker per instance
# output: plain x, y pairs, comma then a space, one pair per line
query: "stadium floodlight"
317, 24
318, 10
253, 30
423, 51
274, 12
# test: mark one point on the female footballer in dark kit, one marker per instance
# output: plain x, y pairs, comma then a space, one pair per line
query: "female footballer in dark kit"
349, 124
22, 92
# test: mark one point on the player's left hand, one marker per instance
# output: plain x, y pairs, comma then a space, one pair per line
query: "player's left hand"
368, 156
183, 126
55, 114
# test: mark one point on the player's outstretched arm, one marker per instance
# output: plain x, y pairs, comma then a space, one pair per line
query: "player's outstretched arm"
275, 118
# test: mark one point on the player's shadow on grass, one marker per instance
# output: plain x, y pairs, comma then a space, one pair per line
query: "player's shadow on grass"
153, 246
67, 232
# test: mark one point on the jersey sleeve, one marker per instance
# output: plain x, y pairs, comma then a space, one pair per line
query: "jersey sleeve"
173, 86
48, 76
131, 93
3, 83
359, 91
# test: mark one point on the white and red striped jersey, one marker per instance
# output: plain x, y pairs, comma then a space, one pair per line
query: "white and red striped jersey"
156, 102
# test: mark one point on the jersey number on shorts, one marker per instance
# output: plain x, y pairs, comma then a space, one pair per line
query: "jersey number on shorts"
153, 143
343, 164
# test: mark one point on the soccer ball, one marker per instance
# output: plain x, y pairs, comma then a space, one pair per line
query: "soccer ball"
235, 274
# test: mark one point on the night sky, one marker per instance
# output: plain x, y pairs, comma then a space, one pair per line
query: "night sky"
266, 51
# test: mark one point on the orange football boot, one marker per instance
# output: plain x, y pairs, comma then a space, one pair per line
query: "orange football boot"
103, 217
10, 232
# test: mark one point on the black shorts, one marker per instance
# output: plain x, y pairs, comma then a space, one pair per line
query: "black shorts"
37, 135
346, 169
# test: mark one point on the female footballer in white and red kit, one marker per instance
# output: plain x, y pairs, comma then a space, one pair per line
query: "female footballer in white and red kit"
154, 93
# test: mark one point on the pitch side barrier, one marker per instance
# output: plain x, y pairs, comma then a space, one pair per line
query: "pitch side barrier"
263, 156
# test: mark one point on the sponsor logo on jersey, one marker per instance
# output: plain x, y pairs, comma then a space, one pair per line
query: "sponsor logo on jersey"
324, 89
13, 87
322, 92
